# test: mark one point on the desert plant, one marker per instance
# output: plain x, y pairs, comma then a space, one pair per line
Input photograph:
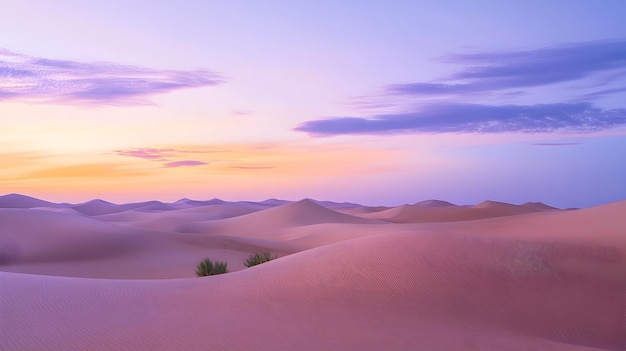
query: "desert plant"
207, 267
258, 258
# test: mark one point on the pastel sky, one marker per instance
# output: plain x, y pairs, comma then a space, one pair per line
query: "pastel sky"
376, 102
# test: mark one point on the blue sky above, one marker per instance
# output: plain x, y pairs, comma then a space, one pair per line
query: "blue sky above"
365, 101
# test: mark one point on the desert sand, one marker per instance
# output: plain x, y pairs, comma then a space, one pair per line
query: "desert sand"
427, 276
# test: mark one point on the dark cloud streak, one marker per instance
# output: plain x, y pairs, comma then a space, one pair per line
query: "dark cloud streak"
556, 144
488, 72
475, 118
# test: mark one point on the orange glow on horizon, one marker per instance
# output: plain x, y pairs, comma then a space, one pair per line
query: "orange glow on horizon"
224, 169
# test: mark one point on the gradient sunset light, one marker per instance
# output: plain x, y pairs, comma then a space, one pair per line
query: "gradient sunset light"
375, 102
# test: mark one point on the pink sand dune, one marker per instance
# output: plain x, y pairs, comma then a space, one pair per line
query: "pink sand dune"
434, 203
392, 292
275, 222
419, 213
23, 201
44, 242
179, 220
226, 210
522, 278
101, 207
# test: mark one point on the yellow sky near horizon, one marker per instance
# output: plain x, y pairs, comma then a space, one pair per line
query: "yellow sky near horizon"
228, 168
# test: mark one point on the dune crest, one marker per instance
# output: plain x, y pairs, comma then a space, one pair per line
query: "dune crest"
23, 201
434, 203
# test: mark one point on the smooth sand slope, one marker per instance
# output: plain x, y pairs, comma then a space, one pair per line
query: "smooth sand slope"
56, 243
533, 280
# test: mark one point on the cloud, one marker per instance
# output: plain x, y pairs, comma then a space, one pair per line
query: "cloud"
162, 155
146, 153
601, 93
449, 104
495, 71
556, 144
252, 167
28, 78
186, 163
475, 118
242, 112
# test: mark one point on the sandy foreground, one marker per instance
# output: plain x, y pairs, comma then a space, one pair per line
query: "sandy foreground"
428, 276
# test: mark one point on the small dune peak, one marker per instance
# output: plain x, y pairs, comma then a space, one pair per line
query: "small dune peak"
404, 207
22, 201
304, 212
274, 202
15, 196
434, 203
97, 202
194, 203
306, 204
540, 206
96, 207
182, 201
492, 204
215, 201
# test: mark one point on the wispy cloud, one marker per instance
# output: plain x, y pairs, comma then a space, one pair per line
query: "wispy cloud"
186, 163
556, 144
242, 112
601, 93
475, 118
162, 155
252, 167
147, 153
449, 104
496, 71
29, 78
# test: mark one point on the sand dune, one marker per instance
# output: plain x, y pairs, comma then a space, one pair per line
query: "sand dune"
44, 242
379, 292
440, 212
179, 220
538, 206
186, 203
22, 201
274, 223
596, 224
101, 207
304, 212
434, 203
508, 277
226, 210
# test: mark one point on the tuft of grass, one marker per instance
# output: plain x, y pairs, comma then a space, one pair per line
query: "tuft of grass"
208, 267
258, 258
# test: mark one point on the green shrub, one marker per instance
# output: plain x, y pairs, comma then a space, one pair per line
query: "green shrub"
207, 267
258, 258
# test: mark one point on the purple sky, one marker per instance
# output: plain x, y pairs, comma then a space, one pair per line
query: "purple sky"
363, 101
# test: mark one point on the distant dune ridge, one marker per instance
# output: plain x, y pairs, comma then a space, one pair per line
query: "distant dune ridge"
425, 276
22, 201
442, 211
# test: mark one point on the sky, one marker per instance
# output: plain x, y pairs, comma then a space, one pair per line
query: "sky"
375, 102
